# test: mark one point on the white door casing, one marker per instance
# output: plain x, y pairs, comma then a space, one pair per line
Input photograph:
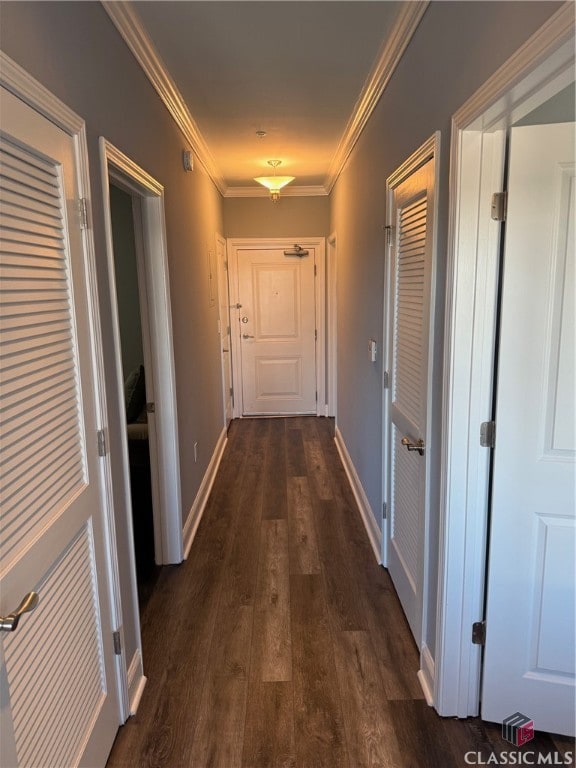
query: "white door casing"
60, 702
529, 663
225, 330
540, 68
278, 327
153, 267
411, 216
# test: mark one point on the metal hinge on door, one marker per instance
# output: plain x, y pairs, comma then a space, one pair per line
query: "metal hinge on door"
384, 510
101, 437
488, 434
388, 230
83, 212
386, 380
117, 642
479, 633
498, 206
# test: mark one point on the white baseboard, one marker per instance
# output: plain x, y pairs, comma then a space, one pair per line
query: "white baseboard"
426, 675
136, 681
372, 529
197, 509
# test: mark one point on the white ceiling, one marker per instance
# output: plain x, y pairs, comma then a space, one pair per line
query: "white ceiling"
296, 69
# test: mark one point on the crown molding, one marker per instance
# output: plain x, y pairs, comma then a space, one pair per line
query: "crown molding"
387, 61
128, 24
291, 191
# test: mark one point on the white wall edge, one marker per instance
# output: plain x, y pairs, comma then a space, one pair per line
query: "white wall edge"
136, 681
372, 529
426, 675
199, 505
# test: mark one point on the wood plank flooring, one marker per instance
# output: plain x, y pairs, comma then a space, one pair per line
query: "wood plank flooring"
280, 641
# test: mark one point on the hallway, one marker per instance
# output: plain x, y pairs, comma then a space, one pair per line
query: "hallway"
280, 641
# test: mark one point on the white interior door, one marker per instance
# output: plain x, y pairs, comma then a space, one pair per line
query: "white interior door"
277, 331
412, 207
225, 332
530, 641
59, 700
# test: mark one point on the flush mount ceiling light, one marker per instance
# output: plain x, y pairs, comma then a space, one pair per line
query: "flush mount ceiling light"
274, 183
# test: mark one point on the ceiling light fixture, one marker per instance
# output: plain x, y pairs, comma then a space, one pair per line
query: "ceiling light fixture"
274, 183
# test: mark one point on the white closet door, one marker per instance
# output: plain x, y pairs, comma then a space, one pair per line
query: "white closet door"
410, 280
529, 662
59, 703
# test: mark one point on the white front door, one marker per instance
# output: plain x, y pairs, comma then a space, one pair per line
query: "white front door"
412, 215
225, 331
277, 329
529, 655
59, 700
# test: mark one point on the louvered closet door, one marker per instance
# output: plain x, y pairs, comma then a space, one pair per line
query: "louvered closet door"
59, 706
411, 272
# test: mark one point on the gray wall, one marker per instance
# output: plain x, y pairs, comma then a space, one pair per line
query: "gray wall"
75, 51
456, 47
126, 273
289, 217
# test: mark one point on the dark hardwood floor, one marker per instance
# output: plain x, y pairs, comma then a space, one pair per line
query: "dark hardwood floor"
280, 641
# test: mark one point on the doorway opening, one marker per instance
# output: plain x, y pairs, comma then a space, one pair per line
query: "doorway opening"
135, 349
144, 366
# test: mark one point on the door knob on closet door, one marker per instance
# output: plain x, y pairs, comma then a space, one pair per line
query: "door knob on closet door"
10, 622
412, 445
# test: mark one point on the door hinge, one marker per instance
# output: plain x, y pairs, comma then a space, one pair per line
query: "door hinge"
479, 633
117, 642
150, 407
231, 391
388, 230
488, 434
316, 395
499, 205
315, 270
386, 379
83, 212
101, 435
315, 335
384, 510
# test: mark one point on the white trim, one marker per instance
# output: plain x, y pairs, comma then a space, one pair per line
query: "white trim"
546, 60
128, 24
319, 244
197, 509
167, 518
366, 513
290, 191
136, 681
332, 326
387, 61
28, 89
426, 675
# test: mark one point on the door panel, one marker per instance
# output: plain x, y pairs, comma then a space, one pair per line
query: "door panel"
530, 638
410, 296
59, 696
277, 327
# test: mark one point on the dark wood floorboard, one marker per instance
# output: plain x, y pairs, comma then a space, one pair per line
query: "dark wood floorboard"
280, 642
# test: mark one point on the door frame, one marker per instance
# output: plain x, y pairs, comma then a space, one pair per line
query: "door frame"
541, 67
224, 321
331, 325
19, 82
117, 167
319, 244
